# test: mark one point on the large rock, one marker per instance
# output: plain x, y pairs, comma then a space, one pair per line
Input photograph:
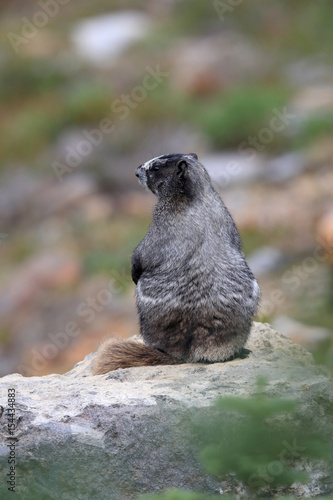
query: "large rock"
117, 435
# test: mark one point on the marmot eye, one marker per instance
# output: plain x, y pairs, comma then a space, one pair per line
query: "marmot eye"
156, 167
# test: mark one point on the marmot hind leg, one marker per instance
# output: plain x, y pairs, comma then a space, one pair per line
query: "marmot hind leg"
116, 353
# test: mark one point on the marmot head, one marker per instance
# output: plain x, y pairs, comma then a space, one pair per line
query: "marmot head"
170, 175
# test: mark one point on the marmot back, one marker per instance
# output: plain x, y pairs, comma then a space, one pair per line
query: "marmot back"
196, 295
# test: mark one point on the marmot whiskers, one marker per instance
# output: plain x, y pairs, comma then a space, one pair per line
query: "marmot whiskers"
196, 295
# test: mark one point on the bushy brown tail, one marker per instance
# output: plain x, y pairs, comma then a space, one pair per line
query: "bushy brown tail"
116, 353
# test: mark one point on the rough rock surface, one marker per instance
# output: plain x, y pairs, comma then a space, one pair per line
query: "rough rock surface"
117, 435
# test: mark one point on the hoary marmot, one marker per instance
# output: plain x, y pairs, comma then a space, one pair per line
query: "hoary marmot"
196, 295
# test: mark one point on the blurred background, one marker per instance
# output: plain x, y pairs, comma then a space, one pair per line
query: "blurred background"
90, 90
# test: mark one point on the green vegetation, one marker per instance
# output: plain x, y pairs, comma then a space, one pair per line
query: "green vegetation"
229, 119
33, 124
95, 262
107, 246
87, 102
193, 18
321, 316
176, 494
5, 337
39, 98
314, 129
226, 118
288, 28
259, 441
22, 78
254, 238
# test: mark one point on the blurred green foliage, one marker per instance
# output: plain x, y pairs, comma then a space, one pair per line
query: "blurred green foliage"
226, 118
321, 316
249, 446
32, 125
107, 246
40, 97
193, 18
254, 238
97, 262
289, 28
21, 78
313, 129
259, 441
87, 102
230, 118
176, 494
5, 337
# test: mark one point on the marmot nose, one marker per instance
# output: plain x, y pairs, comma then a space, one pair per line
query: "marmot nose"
137, 171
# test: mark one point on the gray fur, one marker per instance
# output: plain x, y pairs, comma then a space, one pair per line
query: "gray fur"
196, 295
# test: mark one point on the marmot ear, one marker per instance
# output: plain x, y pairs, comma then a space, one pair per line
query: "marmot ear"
195, 156
182, 169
